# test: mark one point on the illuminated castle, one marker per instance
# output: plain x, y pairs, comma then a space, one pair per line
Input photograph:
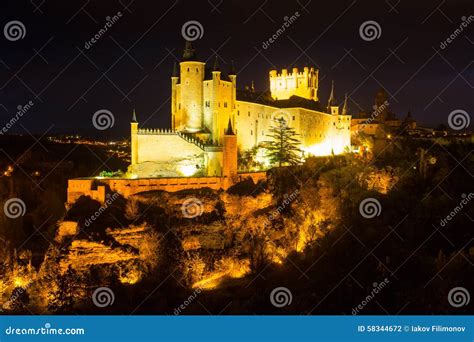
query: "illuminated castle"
211, 121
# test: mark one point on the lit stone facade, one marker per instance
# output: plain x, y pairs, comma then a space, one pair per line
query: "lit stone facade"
205, 105
303, 84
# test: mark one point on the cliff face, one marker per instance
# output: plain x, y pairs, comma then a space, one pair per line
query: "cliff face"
201, 239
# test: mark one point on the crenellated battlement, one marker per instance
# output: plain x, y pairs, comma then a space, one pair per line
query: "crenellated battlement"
189, 138
287, 83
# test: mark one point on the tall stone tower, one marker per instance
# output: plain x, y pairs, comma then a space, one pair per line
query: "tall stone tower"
174, 98
229, 164
189, 116
134, 138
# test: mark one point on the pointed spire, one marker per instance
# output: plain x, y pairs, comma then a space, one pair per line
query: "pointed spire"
216, 65
134, 116
189, 53
232, 68
229, 130
345, 108
332, 98
175, 70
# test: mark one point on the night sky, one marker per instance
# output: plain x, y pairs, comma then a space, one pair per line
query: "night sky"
130, 65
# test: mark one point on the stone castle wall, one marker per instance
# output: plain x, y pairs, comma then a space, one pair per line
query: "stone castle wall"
97, 189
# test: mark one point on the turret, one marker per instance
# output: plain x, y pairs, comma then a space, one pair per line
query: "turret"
134, 138
174, 99
190, 98
229, 167
332, 107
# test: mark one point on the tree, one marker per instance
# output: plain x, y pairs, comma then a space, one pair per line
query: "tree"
283, 148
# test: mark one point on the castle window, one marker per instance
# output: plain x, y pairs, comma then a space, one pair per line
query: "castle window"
249, 113
197, 70
179, 106
188, 69
251, 132
238, 112
225, 104
293, 117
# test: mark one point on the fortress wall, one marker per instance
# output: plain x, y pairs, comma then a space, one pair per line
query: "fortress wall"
165, 147
96, 188
253, 121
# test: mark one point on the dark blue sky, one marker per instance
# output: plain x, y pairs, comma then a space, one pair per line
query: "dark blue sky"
130, 66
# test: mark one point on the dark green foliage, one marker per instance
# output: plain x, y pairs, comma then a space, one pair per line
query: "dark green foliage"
283, 149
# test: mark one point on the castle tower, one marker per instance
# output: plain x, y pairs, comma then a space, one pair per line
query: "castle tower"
134, 138
295, 83
190, 100
229, 167
233, 79
217, 121
332, 107
174, 99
